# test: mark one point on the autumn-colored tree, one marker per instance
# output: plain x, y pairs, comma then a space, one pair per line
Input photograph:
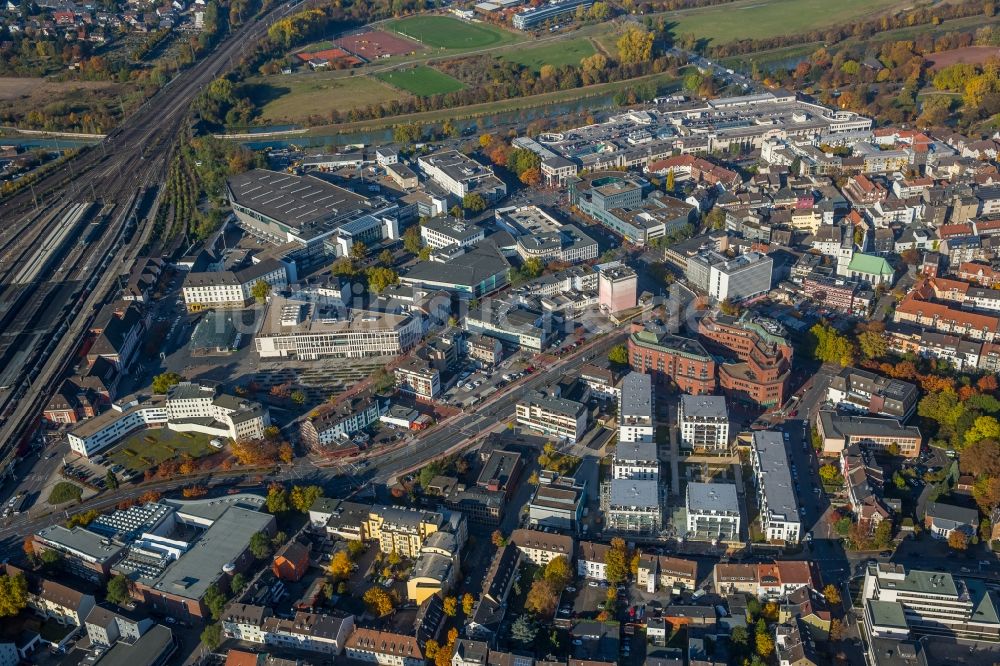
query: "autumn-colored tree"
542, 598
303, 497
498, 539
635, 45
378, 600
468, 604
450, 606
194, 491
341, 565
836, 630
286, 453
764, 644
987, 384
981, 458
832, 594
254, 452
558, 572
616, 561
431, 648
958, 540
531, 177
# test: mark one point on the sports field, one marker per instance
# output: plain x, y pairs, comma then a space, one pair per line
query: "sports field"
557, 54
296, 97
444, 32
421, 80
768, 18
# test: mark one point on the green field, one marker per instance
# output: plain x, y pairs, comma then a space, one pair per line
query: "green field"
148, 448
64, 491
421, 80
726, 23
557, 54
444, 32
296, 97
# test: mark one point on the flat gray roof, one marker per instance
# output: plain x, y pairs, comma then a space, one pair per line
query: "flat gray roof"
222, 543
775, 478
212, 509
719, 497
704, 406
79, 540
625, 451
639, 493
637, 396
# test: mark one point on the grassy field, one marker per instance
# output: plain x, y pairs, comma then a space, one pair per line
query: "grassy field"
64, 491
725, 23
296, 97
557, 54
421, 80
444, 32
147, 448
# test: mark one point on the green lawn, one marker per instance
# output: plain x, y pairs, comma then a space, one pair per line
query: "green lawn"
444, 32
147, 448
725, 23
64, 491
557, 54
296, 97
421, 80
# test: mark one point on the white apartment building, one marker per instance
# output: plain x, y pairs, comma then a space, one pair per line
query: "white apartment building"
231, 289
418, 378
540, 547
927, 602
636, 460
439, 232
713, 512
635, 409
704, 423
565, 419
590, 558
306, 331
736, 279
779, 511
384, 648
188, 407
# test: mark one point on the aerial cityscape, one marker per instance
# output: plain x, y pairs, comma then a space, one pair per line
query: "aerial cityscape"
499, 333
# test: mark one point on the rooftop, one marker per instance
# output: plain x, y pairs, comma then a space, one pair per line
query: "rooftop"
717, 497
635, 493
774, 475
704, 406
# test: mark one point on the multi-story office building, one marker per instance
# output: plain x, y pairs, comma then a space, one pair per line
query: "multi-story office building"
761, 368
704, 423
461, 175
838, 432
231, 289
418, 378
779, 512
307, 330
188, 407
873, 393
439, 232
671, 359
742, 277
552, 415
531, 18
635, 409
402, 530
713, 512
617, 288
900, 601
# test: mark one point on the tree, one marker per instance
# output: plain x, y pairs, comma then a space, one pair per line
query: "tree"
829, 346
117, 590
238, 582
260, 545
340, 565
411, 240
215, 601
618, 355
958, 540
450, 606
303, 497
873, 344
986, 492
468, 604
765, 644
285, 452
715, 219
829, 474
165, 381
211, 636
431, 648
498, 539
670, 184
981, 458
378, 600
832, 594
457, 211
635, 46
542, 599
984, 427
474, 202
359, 251
260, 291
558, 572
381, 277
111, 480
385, 258
277, 498
343, 267
13, 594
616, 561
523, 630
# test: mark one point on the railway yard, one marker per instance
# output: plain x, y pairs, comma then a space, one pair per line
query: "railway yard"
67, 238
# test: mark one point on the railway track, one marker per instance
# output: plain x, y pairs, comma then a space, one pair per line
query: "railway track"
54, 308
